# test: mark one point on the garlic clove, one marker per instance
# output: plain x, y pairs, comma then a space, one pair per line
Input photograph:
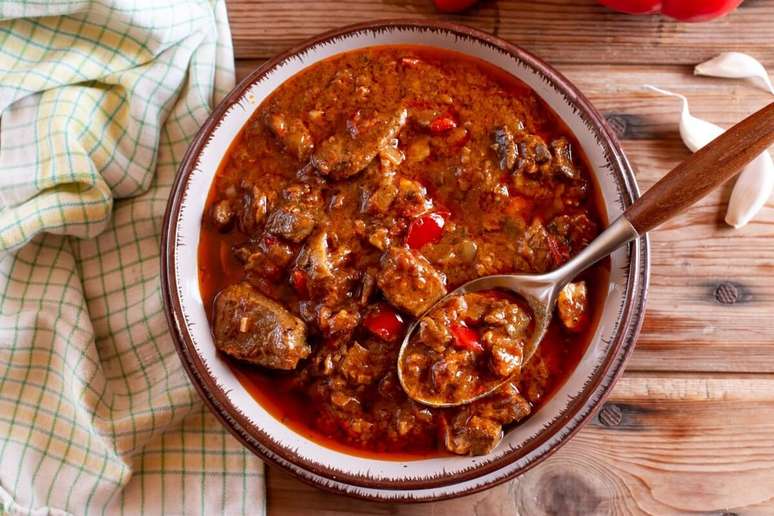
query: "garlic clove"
736, 65
695, 132
751, 191
754, 184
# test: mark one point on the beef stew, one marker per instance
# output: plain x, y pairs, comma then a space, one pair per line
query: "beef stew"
359, 193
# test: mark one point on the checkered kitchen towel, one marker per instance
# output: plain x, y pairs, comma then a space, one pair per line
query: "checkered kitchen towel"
98, 101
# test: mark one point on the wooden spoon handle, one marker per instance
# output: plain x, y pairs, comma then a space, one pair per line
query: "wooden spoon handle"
706, 169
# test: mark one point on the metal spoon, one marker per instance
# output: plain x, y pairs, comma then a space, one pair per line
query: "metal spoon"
684, 185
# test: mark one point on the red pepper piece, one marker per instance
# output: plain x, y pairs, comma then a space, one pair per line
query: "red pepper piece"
465, 338
385, 323
442, 123
426, 229
298, 280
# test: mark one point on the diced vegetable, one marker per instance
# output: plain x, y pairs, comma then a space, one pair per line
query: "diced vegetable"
466, 338
385, 323
442, 123
419, 150
410, 61
458, 136
298, 280
424, 230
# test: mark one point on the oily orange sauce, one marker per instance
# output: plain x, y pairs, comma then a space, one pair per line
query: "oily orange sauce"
560, 350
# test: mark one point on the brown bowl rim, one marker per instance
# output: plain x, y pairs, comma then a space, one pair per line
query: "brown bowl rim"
259, 442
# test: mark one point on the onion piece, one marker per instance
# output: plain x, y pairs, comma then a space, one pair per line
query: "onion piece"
754, 184
736, 65
390, 154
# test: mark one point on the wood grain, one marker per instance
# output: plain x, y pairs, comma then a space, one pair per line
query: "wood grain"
578, 31
662, 445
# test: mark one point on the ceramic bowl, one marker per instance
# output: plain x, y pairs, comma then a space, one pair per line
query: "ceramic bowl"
417, 480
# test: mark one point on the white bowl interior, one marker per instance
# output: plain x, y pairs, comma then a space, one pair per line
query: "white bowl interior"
186, 238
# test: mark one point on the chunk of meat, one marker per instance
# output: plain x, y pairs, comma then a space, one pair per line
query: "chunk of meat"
562, 162
409, 281
435, 332
506, 353
347, 152
472, 435
535, 248
378, 191
367, 287
577, 231
268, 256
505, 147
505, 406
449, 374
251, 209
535, 378
362, 365
507, 338
316, 259
572, 305
411, 199
337, 325
292, 134
327, 279
251, 327
533, 153
477, 428
297, 212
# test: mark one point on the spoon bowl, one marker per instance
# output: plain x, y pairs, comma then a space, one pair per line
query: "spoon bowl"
539, 291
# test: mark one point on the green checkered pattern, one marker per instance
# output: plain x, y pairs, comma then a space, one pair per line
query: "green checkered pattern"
98, 101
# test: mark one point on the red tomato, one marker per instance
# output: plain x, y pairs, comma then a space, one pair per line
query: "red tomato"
453, 6
683, 10
426, 229
465, 338
633, 6
384, 323
442, 123
698, 10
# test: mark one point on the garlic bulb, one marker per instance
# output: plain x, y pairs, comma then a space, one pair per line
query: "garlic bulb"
736, 65
756, 181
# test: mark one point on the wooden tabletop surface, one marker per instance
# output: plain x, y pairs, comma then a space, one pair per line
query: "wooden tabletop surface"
690, 426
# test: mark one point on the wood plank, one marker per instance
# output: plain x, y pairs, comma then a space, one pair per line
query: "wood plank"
562, 31
663, 444
686, 327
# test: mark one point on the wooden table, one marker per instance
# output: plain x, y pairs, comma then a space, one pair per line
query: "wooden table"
690, 426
